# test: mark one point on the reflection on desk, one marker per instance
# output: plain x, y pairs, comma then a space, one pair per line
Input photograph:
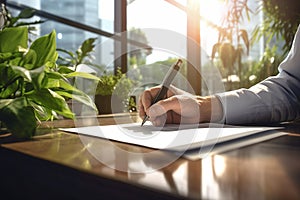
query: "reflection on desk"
60, 164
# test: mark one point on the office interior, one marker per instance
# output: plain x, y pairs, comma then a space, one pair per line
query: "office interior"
142, 39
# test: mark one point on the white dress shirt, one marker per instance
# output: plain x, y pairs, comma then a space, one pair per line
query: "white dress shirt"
276, 99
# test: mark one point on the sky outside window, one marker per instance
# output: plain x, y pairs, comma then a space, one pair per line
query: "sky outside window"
160, 14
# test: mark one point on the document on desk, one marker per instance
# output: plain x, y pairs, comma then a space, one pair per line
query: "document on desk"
174, 137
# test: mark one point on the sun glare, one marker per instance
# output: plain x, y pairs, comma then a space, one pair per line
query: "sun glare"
211, 11
162, 15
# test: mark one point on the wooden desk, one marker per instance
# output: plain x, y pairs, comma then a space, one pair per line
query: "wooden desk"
59, 165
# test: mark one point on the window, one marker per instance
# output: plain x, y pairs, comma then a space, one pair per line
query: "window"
163, 29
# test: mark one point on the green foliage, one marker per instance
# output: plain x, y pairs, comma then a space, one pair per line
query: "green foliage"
32, 86
138, 56
19, 35
79, 56
7, 20
118, 84
259, 70
156, 74
229, 48
18, 116
281, 19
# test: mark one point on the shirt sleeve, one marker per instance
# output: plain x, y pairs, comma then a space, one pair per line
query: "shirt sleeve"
275, 99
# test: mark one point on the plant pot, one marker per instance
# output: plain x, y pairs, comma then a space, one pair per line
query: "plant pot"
109, 104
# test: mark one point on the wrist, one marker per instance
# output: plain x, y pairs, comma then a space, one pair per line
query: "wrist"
211, 109
216, 109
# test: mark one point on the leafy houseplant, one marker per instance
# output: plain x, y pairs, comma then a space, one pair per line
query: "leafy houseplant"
73, 59
7, 20
229, 48
281, 20
113, 91
33, 87
70, 61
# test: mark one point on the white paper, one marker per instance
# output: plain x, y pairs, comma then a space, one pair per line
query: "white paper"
173, 137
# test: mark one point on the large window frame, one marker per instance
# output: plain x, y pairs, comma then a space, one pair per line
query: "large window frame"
121, 41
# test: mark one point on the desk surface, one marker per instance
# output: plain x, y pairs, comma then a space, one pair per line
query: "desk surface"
57, 163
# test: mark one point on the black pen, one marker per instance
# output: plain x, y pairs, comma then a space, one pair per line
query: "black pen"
165, 85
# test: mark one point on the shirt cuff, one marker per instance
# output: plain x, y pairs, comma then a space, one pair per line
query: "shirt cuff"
223, 118
236, 107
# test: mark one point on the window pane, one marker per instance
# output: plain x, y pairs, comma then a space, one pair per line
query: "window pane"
95, 13
157, 23
85, 12
156, 14
237, 75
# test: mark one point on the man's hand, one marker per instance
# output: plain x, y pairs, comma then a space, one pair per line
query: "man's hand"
179, 107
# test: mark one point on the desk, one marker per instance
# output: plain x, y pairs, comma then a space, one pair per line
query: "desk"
57, 165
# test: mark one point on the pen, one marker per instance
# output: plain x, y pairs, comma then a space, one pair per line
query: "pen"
165, 85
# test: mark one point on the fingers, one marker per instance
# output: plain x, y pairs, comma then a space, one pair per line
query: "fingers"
145, 100
163, 106
178, 107
142, 108
159, 121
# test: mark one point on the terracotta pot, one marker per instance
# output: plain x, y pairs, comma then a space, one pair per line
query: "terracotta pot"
109, 104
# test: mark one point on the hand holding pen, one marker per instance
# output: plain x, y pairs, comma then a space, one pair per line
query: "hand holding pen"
165, 85
177, 106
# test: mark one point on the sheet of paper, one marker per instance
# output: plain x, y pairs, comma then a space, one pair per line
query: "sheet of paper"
173, 137
195, 154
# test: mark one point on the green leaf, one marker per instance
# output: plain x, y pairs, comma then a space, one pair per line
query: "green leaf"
53, 83
63, 88
66, 86
88, 45
9, 56
55, 75
12, 38
38, 77
5, 102
84, 50
82, 75
18, 117
9, 82
215, 50
78, 96
26, 13
243, 33
45, 48
30, 28
65, 70
42, 113
227, 54
22, 72
29, 59
51, 100
70, 53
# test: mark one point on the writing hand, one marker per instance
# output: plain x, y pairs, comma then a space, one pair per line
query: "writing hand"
179, 107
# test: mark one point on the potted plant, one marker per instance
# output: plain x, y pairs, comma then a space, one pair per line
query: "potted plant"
113, 93
229, 48
70, 61
33, 87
